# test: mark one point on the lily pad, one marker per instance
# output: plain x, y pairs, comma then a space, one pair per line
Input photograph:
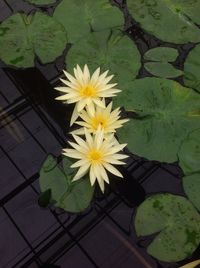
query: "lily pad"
79, 17
111, 50
170, 20
192, 70
163, 54
175, 223
191, 185
189, 154
41, 2
22, 37
162, 69
165, 116
71, 196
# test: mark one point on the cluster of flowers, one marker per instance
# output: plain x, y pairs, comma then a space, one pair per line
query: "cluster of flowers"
98, 151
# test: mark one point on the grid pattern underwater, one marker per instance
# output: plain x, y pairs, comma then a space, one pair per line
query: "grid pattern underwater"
103, 235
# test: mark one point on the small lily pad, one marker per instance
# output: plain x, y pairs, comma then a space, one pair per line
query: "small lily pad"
175, 223
41, 2
79, 17
71, 196
170, 20
165, 116
191, 185
110, 50
192, 70
162, 69
22, 37
163, 54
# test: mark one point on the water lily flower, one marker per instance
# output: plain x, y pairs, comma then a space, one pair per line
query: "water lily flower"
96, 155
86, 90
104, 118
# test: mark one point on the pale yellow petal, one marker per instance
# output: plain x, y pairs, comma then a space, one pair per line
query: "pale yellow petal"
81, 172
112, 170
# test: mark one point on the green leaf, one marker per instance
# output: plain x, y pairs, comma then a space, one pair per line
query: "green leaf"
22, 37
78, 196
170, 20
164, 54
192, 70
71, 196
16, 49
53, 178
189, 153
175, 223
80, 16
162, 69
41, 2
191, 185
111, 51
44, 198
165, 117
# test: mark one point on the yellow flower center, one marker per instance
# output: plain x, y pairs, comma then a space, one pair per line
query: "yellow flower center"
99, 120
95, 156
88, 91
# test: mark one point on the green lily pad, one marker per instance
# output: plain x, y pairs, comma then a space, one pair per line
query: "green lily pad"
79, 17
189, 153
192, 70
170, 20
175, 223
22, 37
110, 50
45, 198
71, 196
163, 54
191, 185
41, 2
162, 69
165, 117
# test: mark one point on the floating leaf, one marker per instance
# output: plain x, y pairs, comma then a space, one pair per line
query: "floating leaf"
41, 2
191, 264
191, 185
111, 51
192, 70
162, 69
165, 116
170, 20
176, 222
21, 37
189, 154
71, 196
78, 196
80, 16
164, 54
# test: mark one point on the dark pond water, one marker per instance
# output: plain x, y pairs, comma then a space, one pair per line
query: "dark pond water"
34, 125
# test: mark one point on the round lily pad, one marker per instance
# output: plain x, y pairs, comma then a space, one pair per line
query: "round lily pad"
163, 54
79, 17
110, 50
170, 20
71, 196
192, 70
165, 112
22, 37
175, 223
162, 69
191, 185
189, 153
41, 2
